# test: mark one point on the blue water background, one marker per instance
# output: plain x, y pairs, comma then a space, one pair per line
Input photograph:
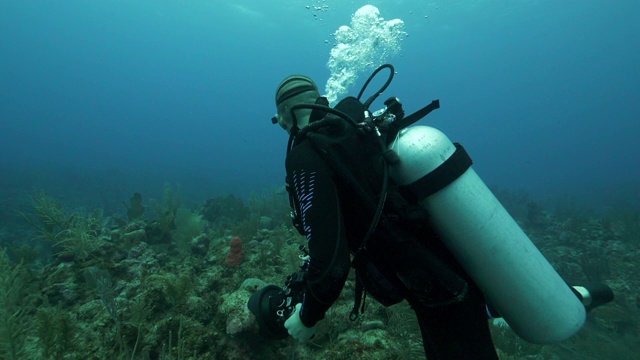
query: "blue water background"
99, 99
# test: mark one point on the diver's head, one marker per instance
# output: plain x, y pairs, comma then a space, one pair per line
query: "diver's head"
294, 90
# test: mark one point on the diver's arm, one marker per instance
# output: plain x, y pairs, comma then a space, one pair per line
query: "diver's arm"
329, 260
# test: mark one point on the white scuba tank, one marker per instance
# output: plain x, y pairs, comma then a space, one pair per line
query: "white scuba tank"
515, 277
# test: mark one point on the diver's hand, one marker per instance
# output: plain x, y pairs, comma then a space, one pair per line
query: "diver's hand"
297, 329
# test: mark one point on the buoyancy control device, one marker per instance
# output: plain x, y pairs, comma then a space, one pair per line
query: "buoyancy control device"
515, 277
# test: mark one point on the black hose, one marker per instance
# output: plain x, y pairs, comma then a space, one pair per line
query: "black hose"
382, 89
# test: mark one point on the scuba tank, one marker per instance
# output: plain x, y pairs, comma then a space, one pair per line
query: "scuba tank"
515, 277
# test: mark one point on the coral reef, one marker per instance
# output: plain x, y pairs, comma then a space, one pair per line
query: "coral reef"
175, 285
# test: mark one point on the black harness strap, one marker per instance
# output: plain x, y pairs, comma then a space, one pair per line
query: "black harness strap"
360, 300
440, 177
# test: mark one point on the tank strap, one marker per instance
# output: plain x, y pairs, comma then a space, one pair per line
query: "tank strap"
442, 176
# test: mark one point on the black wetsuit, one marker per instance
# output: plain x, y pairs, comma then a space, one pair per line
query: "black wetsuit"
449, 307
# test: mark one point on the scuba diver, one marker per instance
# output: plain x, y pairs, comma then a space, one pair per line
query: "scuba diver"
355, 211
